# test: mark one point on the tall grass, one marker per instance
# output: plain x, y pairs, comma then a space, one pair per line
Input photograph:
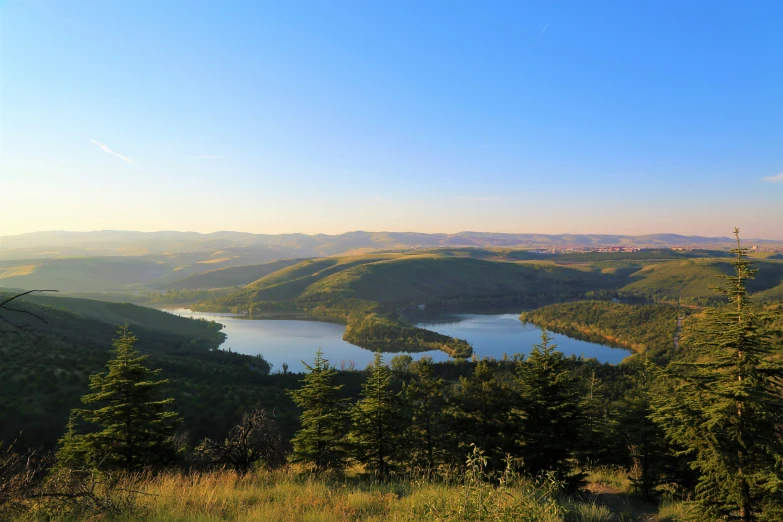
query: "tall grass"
673, 511
286, 495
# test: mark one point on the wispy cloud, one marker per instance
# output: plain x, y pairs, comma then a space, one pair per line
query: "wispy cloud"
106, 149
478, 198
774, 179
496, 145
207, 157
543, 30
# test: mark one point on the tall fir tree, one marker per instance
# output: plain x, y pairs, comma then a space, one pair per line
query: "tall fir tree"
376, 428
649, 459
426, 399
131, 428
550, 411
320, 443
595, 444
724, 407
481, 414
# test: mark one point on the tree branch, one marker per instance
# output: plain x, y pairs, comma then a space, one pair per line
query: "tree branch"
18, 327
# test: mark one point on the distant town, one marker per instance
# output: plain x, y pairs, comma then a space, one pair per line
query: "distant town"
584, 249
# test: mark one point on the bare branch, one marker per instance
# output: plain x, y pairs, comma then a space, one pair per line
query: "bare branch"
16, 327
17, 296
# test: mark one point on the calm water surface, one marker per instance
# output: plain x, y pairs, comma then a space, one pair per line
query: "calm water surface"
494, 335
292, 341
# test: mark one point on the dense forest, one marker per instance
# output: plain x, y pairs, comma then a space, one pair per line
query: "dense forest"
646, 329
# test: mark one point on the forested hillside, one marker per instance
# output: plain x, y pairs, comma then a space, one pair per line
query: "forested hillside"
43, 375
647, 329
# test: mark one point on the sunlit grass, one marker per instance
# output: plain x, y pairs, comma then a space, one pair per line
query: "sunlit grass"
673, 511
613, 477
291, 496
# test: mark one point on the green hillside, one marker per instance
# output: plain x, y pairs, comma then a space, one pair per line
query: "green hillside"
691, 280
89, 274
229, 276
127, 273
648, 329
115, 314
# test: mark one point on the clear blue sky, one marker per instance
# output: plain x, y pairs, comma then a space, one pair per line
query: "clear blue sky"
329, 116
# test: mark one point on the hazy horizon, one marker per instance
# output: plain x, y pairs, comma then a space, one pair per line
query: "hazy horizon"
164, 231
566, 118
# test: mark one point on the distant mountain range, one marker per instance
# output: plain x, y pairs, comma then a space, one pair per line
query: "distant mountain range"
38, 245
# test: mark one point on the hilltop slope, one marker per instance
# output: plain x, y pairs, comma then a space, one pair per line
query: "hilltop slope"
229, 276
391, 281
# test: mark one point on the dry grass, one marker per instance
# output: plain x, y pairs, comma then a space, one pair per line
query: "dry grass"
216, 260
612, 477
287, 496
17, 271
290, 496
672, 511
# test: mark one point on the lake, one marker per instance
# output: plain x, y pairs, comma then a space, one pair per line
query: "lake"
494, 335
292, 341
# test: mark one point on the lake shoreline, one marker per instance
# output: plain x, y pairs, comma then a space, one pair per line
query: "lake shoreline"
290, 339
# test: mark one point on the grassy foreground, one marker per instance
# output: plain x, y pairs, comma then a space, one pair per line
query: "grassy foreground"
286, 495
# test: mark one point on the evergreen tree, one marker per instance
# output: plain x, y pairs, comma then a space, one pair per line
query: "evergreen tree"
320, 442
133, 429
647, 451
426, 400
596, 444
482, 414
375, 434
725, 409
550, 415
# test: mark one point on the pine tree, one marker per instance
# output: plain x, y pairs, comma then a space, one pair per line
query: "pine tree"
550, 414
132, 428
482, 414
320, 442
426, 400
647, 451
596, 444
725, 409
375, 433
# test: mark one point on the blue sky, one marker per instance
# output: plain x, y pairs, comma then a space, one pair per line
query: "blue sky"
551, 117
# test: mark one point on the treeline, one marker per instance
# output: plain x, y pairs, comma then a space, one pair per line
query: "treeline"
646, 329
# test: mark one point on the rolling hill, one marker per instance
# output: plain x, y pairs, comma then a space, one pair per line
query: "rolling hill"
390, 281
127, 273
229, 276
691, 280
